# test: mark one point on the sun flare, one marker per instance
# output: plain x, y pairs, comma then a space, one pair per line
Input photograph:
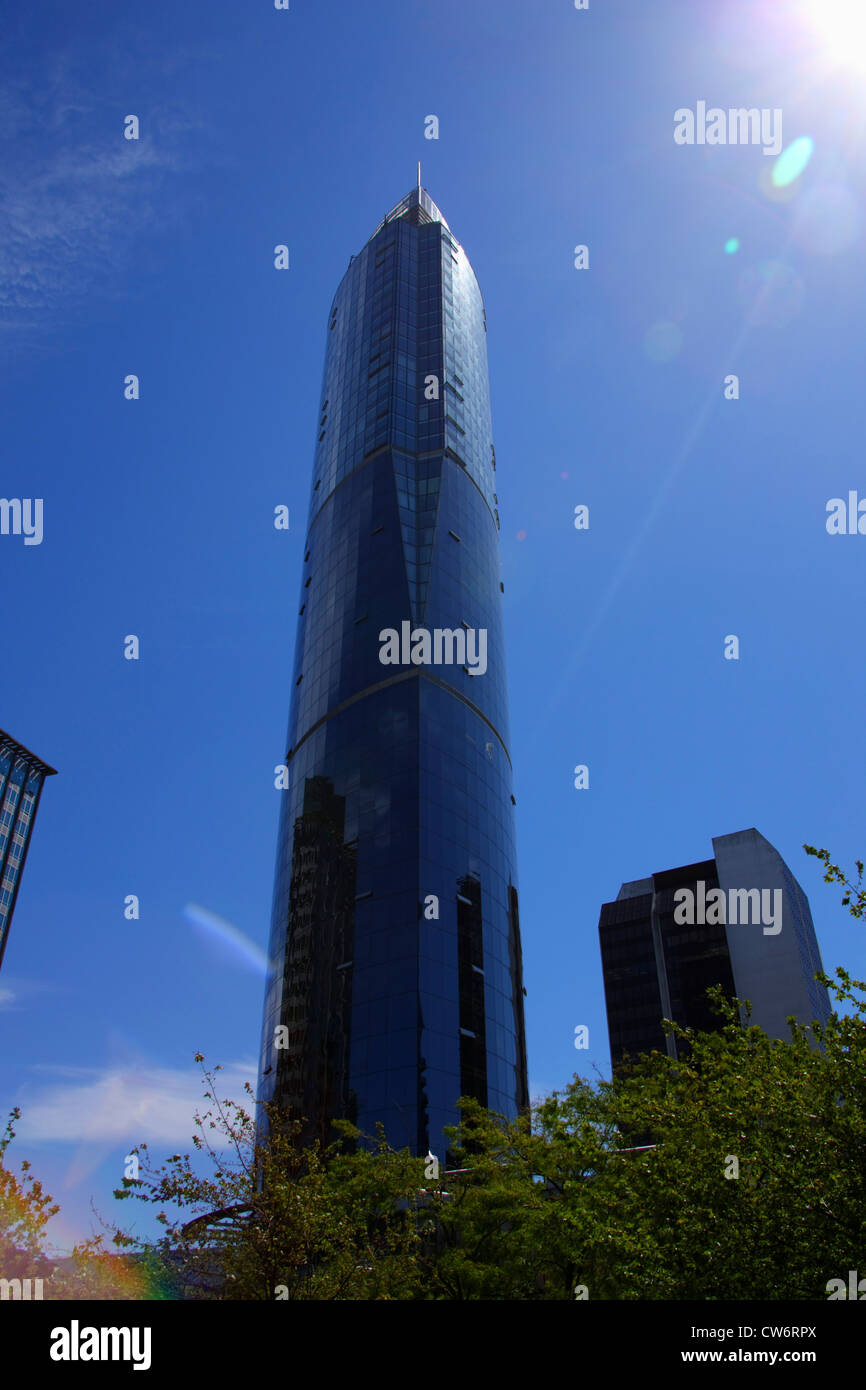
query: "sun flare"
840, 28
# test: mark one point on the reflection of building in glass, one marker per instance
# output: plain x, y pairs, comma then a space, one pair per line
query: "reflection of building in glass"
21, 778
656, 966
317, 965
470, 982
395, 942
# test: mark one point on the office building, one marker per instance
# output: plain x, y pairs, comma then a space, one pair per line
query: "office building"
739, 920
396, 981
21, 778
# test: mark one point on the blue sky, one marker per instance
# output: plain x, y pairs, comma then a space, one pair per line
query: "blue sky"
707, 516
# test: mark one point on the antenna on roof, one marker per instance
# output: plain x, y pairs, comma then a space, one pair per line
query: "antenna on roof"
419, 176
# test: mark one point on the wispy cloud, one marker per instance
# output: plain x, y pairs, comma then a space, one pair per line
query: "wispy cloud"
76, 197
59, 223
16, 991
123, 1105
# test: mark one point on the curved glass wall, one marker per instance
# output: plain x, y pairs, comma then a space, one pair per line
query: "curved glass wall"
397, 981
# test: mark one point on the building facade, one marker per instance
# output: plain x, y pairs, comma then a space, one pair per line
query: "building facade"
396, 970
21, 778
739, 920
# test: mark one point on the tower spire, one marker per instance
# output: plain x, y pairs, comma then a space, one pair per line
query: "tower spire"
419, 176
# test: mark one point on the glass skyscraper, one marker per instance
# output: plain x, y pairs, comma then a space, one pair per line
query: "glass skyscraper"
662, 947
21, 778
396, 981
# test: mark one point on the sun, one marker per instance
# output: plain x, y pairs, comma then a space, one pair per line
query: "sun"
840, 28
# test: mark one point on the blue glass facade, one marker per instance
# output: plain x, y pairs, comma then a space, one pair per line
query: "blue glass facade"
395, 940
21, 778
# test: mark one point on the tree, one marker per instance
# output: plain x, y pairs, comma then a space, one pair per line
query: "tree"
25, 1210
833, 874
755, 1186
749, 1183
278, 1219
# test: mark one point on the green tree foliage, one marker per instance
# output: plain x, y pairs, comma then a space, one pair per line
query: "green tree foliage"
755, 1187
276, 1219
735, 1170
833, 874
25, 1210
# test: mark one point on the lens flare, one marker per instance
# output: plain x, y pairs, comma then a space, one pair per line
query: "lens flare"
241, 946
792, 161
840, 28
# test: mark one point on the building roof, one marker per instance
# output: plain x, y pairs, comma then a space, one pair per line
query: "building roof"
9, 744
417, 207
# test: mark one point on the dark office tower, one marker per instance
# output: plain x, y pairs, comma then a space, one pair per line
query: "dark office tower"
395, 941
21, 778
739, 920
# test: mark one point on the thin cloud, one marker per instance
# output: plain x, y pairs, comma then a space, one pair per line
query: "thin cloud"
77, 200
64, 223
123, 1105
16, 991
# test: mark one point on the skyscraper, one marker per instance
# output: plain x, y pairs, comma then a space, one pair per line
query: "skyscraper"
740, 920
21, 778
396, 980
